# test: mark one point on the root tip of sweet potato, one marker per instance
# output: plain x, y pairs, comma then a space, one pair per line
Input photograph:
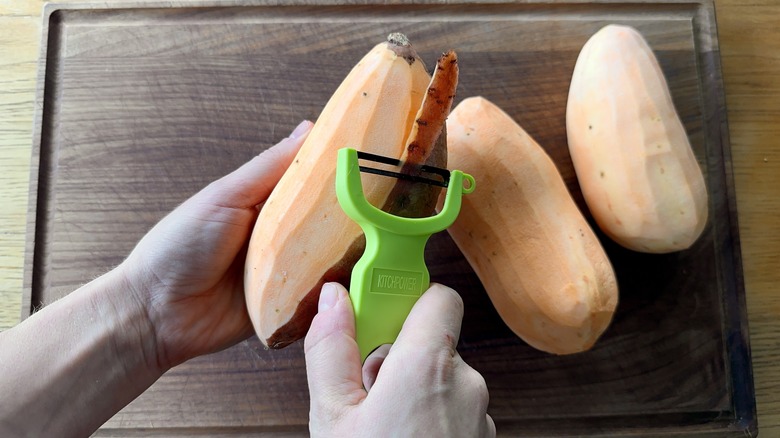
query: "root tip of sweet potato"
398, 39
400, 44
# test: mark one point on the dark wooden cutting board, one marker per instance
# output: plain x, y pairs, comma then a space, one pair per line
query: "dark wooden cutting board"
142, 107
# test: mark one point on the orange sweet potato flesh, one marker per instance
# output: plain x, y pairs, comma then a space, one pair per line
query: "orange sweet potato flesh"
542, 266
302, 238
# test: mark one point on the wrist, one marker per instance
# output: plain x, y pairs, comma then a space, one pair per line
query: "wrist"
92, 351
127, 318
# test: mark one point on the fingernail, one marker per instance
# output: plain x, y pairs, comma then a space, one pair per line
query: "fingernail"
301, 129
328, 297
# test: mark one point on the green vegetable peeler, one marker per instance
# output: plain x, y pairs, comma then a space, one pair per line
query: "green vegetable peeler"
391, 275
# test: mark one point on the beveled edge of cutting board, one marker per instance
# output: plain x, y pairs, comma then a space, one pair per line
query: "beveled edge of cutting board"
742, 420
734, 301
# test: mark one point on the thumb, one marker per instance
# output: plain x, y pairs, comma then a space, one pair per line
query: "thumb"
250, 184
333, 364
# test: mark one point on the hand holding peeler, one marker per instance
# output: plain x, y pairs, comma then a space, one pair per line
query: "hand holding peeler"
391, 275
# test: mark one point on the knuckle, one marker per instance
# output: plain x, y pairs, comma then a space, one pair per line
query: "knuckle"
433, 364
450, 341
443, 367
479, 388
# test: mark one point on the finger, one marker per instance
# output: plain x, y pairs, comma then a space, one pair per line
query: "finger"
333, 363
250, 184
490, 427
478, 391
372, 364
475, 384
434, 321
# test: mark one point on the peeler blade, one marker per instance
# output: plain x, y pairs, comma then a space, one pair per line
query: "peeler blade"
443, 173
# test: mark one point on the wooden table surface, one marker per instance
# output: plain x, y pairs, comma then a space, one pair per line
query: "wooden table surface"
750, 50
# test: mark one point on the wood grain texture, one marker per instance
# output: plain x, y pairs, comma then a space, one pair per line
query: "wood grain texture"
18, 62
750, 48
760, 177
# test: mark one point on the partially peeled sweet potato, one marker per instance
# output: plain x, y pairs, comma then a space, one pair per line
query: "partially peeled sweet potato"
302, 238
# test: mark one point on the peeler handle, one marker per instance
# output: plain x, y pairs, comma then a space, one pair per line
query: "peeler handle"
385, 285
